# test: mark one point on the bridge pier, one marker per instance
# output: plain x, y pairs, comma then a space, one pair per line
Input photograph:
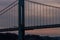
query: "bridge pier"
21, 19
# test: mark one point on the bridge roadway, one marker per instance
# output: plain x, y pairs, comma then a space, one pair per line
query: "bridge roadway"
31, 27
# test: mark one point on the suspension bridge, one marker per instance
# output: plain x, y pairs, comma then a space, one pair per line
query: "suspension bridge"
37, 16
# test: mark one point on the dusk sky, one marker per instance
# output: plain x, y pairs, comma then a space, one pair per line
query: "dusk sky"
9, 18
49, 32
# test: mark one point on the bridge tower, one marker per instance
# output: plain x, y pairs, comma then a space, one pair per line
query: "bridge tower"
21, 19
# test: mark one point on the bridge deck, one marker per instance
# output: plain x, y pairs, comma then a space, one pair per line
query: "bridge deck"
31, 27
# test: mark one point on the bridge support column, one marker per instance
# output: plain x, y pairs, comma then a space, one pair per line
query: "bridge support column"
21, 19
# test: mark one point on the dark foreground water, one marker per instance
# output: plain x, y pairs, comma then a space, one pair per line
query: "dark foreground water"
12, 36
37, 37
8, 36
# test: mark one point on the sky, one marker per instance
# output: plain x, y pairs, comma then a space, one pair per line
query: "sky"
10, 17
5, 17
51, 2
4, 3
